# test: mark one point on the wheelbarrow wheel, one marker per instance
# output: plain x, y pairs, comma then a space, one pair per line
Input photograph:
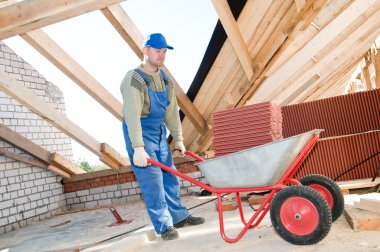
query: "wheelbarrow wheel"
300, 215
329, 190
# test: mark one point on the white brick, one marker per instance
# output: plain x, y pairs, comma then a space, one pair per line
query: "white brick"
29, 214
3, 221
6, 204
90, 204
83, 193
11, 173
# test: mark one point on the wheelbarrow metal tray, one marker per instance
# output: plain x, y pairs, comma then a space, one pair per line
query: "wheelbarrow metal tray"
255, 167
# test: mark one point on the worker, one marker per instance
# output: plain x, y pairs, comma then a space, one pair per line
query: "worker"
149, 106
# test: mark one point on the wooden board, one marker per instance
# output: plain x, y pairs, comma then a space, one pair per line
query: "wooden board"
371, 205
361, 220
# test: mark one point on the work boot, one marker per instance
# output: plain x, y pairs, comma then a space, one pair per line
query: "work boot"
190, 221
170, 234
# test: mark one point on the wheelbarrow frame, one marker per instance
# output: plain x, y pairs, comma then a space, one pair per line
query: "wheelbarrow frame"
284, 181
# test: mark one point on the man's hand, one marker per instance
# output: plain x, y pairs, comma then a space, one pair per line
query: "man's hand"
140, 157
179, 149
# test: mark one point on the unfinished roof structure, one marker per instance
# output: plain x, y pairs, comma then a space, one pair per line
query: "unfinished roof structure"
285, 52
282, 51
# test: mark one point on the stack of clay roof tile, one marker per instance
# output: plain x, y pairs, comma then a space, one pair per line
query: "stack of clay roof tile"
352, 125
344, 158
340, 115
245, 127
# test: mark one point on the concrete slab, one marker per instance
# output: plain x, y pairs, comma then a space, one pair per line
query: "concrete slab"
88, 231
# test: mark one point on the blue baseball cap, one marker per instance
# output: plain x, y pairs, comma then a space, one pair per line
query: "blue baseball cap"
156, 40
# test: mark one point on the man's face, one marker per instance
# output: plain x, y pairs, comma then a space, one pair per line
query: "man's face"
155, 57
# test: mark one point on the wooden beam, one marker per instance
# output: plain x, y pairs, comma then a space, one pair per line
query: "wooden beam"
187, 106
230, 26
299, 4
129, 32
22, 143
125, 27
343, 26
316, 7
56, 55
365, 77
59, 161
27, 98
111, 153
376, 64
59, 171
372, 205
22, 158
29, 15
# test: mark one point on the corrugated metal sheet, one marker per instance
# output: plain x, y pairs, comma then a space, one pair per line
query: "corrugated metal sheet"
340, 115
245, 127
332, 157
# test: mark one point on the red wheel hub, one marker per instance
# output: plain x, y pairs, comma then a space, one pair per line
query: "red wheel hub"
299, 216
324, 192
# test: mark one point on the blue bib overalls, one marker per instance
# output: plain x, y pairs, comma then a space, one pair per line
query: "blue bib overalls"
160, 189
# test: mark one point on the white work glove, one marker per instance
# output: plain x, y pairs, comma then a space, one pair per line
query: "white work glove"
140, 157
179, 149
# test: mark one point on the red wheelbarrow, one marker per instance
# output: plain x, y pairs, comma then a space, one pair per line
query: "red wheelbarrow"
301, 211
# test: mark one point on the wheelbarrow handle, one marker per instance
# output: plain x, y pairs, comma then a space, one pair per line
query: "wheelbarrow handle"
193, 155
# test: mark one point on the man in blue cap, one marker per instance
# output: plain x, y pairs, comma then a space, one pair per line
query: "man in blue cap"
149, 106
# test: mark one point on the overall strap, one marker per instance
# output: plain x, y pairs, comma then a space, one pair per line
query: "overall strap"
164, 76
142, 75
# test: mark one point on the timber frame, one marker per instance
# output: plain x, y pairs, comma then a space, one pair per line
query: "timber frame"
288, 52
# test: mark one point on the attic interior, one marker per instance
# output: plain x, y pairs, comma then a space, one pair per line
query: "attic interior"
273, 69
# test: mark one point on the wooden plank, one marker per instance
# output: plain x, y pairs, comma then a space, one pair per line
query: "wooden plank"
376, 64
29, 15
22, 158
372, 205
316, 8
339, 59
299, 4
56, 55
320, 89
129, 32
358, 183
365, 77
111, 153
361, 220
59, 161
125, 27
331, 10
22, 143
27, 98
230, 26
357, 42
5, 3
356, 13
187, 106
59, 171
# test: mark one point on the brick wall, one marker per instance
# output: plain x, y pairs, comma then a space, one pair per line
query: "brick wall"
110, 187
29, 193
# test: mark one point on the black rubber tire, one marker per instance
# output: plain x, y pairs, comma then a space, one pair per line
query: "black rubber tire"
332, 187
311, 197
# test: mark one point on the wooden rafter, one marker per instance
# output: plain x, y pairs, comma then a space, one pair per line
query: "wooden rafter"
43, 157
129, 32
365, 76
29, 15
234, 35
376, 64
317, 48
56, 55
27, 98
